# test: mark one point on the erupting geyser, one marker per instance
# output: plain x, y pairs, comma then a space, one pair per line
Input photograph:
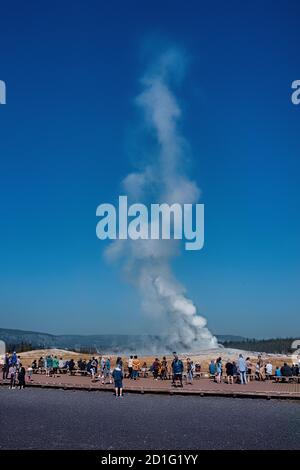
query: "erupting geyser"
162, 179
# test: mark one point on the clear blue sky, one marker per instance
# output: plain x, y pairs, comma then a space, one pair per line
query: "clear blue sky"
72, 71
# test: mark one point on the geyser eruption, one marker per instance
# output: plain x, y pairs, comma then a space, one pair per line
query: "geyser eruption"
162, 179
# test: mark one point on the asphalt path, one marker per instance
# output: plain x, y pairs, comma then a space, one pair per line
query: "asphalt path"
61, 419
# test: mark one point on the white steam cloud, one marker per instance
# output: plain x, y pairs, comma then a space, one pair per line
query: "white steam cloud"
147, 262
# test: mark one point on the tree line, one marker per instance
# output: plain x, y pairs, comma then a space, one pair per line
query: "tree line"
273, 345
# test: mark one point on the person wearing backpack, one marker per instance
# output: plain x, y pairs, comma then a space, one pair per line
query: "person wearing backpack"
177, 368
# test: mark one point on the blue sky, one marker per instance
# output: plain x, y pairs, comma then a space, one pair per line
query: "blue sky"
72, 71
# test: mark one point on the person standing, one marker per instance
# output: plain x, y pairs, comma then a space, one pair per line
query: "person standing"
130, 361
229, 371
144, 370
45, 365
286, 370
106, 372
5, 366
61, 365
135, 367
95, 364
21, 377
49, 365
234, 369
277, 374
242, 367
119, 362
14, 359
177, 368
269, 369
102, 366
212, 368
55, 363
218, 370
155, 368
261, 368
118, 380
164, 368
249, 366
12, 372
29, 373
189, 371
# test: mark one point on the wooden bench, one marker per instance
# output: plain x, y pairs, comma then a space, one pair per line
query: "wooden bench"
287, 379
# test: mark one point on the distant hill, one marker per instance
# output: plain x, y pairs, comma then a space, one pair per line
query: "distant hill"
27, 340
38, 340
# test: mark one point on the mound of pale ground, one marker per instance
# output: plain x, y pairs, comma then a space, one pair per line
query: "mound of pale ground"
28, 356
203, 357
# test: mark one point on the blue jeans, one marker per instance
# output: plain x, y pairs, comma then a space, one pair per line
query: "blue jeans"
135, 374
243, 377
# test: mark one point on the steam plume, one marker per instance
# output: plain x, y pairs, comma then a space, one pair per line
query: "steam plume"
147, 262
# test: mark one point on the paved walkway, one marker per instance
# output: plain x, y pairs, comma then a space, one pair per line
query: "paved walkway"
201, 386
39, 418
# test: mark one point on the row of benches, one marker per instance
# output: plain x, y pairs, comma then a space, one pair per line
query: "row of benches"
197, 375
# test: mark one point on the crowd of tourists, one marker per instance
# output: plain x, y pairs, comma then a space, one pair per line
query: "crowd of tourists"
13, 370
245, 369
176, 369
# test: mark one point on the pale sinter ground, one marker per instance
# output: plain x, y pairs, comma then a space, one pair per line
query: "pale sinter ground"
204, 357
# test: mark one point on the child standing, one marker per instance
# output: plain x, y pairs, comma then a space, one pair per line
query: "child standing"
144, 370
29, 373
